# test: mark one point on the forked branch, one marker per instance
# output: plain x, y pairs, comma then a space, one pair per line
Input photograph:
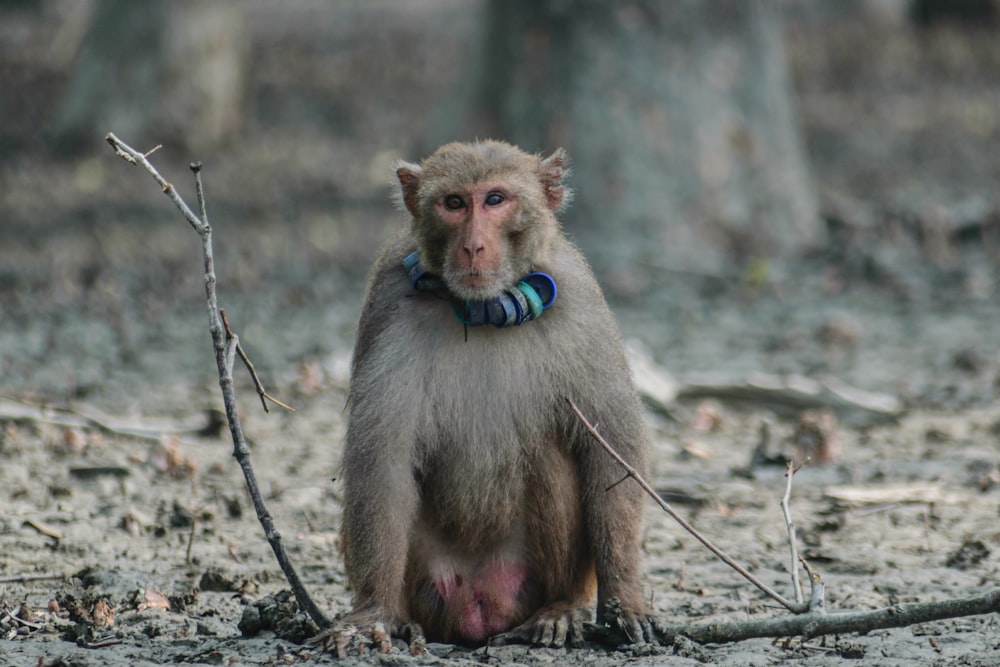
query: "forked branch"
226, 347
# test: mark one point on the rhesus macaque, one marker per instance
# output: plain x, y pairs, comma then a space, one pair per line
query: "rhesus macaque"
475, 501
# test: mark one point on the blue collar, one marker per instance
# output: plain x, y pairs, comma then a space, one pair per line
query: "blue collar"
532, 295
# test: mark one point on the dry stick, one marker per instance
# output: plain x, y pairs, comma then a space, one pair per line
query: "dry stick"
665, 506
789, 473
224, 361
817, 596
20, 621
816, 624
264, 396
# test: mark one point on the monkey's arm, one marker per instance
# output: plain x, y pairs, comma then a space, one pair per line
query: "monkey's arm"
612, 510
380, 494
600, 383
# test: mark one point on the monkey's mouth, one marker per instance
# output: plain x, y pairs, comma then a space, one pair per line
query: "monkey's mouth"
479, 279
472, 284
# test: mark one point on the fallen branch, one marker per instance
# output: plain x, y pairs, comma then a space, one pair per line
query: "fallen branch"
816, 624
224, 357
790, 395
61, 415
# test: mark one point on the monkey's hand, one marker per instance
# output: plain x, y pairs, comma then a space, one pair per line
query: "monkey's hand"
347, 638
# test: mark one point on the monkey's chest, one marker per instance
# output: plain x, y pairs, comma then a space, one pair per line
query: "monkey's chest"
486, 413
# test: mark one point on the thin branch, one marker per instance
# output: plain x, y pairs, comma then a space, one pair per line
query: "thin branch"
817, 595
129, 154
796, 585
20, 621
264, 396
665, 506
223, 359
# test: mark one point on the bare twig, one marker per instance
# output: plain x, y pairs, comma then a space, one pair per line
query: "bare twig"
44, 529
790, 471
20, 621
224, 361
797, 608
817, 594
264, 396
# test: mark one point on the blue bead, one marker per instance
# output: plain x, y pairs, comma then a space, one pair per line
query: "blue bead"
544, 286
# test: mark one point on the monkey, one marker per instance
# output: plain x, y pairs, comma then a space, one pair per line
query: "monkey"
474, 502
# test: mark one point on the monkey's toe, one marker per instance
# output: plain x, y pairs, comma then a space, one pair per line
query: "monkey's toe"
637, 628
555, 626
347, 639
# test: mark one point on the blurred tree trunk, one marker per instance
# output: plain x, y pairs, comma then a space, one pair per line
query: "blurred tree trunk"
679, 118
155, 72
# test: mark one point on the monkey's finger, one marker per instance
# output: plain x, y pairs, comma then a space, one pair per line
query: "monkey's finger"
341, 649
342, 640
636, 631
649, 631
411, 632
543, 633
576, 631
561, 629
381, 641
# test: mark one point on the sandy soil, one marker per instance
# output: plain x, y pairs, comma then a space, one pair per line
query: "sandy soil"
117, 482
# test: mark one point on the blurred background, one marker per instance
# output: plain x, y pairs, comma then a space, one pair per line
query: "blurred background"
784, 186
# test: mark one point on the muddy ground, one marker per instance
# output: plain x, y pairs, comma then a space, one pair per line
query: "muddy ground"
126, 536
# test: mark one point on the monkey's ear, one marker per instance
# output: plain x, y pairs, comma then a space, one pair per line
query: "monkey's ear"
409, 182
554, 169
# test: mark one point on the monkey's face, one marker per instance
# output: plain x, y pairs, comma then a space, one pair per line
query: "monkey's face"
478, 221
482, 214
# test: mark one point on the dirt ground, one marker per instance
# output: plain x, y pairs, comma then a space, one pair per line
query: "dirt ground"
126, 536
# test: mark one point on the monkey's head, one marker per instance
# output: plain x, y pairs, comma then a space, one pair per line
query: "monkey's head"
483, 213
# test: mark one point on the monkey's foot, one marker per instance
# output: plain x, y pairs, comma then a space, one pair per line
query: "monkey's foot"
345, 639
557, 625
634, 627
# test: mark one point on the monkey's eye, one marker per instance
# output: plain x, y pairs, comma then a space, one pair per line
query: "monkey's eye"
454, 202
494, 198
